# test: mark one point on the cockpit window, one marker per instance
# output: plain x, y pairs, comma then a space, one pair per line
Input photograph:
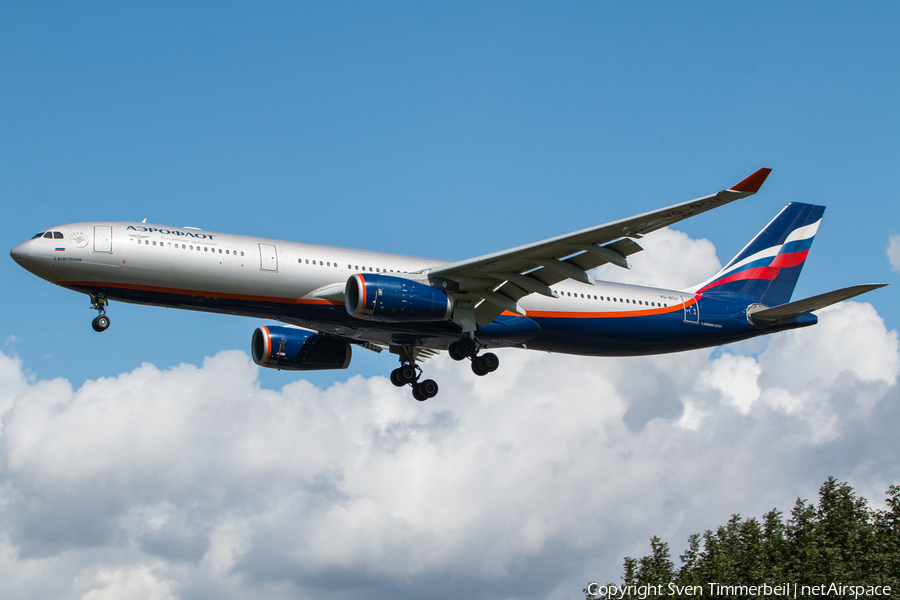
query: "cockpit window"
37, 235
48, 235
57, 235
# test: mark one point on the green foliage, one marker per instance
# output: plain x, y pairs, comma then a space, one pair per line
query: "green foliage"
840, 540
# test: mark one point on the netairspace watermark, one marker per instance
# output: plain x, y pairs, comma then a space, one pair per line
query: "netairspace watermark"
595, 591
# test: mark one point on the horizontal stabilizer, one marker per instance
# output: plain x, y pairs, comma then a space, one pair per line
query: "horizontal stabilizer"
770, 316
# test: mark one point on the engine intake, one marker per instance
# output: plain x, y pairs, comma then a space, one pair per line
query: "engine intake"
386, 298
295, 349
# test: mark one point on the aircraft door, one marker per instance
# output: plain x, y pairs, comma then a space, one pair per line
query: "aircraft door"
103, 238
268, 258
691, 310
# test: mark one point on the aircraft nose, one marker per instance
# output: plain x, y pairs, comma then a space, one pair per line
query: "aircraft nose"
20, 253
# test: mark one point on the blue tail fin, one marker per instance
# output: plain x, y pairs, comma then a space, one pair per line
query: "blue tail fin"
769, 266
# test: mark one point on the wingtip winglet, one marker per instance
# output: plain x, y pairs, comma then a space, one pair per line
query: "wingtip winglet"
752, 184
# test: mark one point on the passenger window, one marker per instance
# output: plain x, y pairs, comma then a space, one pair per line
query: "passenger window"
356, 267
329, 263
205, 248
220, 251
154, 242
191, 248
57, 235
242, 253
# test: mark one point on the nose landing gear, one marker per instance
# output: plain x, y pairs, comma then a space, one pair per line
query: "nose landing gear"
466, 347
99, 303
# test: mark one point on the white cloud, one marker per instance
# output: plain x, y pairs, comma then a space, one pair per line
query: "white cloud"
195, 482
893, 252
735, 377
670, 259
134, 583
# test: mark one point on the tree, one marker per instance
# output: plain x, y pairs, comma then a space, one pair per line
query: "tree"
841, 540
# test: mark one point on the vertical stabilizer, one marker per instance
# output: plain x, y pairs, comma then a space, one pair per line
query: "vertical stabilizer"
769, 266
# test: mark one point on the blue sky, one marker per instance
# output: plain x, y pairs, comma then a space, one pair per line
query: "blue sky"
438, 130
445, 131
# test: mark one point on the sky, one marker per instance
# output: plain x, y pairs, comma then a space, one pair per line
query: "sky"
157, 461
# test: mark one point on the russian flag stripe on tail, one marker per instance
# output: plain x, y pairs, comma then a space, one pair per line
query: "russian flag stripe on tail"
769, 266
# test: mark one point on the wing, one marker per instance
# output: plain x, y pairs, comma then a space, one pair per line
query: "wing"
486, 286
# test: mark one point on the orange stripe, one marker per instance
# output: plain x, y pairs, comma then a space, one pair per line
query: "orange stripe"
560, 314
531, 313
363, 280
202, 293
318, 301
268, 350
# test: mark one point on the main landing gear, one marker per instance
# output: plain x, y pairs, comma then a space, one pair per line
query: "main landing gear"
466, 347
409, 373
98, 303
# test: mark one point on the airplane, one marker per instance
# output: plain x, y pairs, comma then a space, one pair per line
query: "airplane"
539, 296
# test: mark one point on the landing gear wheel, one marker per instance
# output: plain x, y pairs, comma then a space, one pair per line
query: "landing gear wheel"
100, 323
467, 347
425, 390
488, 362
429, 388
407, 374
395, 378
453, 350
478, 369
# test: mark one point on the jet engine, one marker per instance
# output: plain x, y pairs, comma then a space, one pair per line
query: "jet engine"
295, 349
393, 299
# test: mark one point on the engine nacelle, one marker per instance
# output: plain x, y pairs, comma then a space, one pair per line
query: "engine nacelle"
298, 349
386, 298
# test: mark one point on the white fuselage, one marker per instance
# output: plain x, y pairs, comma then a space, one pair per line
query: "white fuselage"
187, 260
